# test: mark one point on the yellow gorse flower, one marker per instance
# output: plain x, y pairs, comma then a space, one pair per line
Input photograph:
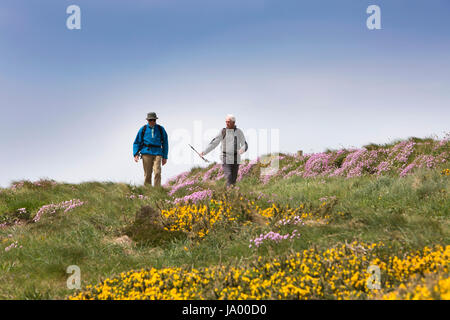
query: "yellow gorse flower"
338, 273
201, 218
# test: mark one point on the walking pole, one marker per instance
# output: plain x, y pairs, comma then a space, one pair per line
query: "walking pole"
198, 153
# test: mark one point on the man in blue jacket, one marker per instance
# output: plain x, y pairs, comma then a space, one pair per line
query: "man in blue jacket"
152, 145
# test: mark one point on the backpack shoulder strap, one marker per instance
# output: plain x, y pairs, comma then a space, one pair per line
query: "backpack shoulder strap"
160, 133
224, 132
142, 138
143, 133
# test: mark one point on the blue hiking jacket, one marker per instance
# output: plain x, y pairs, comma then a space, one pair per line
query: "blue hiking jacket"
153, 137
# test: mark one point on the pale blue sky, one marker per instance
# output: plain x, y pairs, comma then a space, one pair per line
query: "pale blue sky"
71, 101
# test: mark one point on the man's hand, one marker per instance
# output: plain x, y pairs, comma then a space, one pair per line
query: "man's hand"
136, 158
202, 154
164, 161
241, 151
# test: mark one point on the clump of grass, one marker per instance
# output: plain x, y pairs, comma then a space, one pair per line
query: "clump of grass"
148, 229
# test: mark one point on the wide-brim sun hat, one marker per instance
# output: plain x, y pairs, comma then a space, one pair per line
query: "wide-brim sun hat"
151, 115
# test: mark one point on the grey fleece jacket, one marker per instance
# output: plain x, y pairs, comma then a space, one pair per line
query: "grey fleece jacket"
232, 145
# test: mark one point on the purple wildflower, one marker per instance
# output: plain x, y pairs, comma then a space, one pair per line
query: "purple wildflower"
195, 197
294, 220
176, 187
51, 208
15, 244
272, 236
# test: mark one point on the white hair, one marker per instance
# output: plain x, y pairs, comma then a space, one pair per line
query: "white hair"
231, 117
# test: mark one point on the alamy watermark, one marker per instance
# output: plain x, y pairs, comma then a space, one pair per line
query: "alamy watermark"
74, 20
374, 20
74, 280
374, 281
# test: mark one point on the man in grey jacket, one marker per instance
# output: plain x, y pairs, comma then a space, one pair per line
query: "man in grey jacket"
233, 145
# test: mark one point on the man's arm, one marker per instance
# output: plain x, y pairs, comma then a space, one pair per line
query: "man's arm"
165, 144
214, 143
242, 142
137, 143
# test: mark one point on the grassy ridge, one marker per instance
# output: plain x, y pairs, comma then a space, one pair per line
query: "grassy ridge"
407, 213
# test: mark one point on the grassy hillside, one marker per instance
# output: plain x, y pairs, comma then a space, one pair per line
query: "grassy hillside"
308, 230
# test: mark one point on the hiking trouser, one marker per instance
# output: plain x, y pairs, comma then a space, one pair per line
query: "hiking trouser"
230, 171
152, 163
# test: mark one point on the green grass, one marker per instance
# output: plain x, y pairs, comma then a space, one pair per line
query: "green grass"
405, 213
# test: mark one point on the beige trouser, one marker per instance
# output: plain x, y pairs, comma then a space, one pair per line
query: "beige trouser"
152, 163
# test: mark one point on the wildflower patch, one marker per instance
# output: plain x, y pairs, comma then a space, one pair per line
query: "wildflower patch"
335, 273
